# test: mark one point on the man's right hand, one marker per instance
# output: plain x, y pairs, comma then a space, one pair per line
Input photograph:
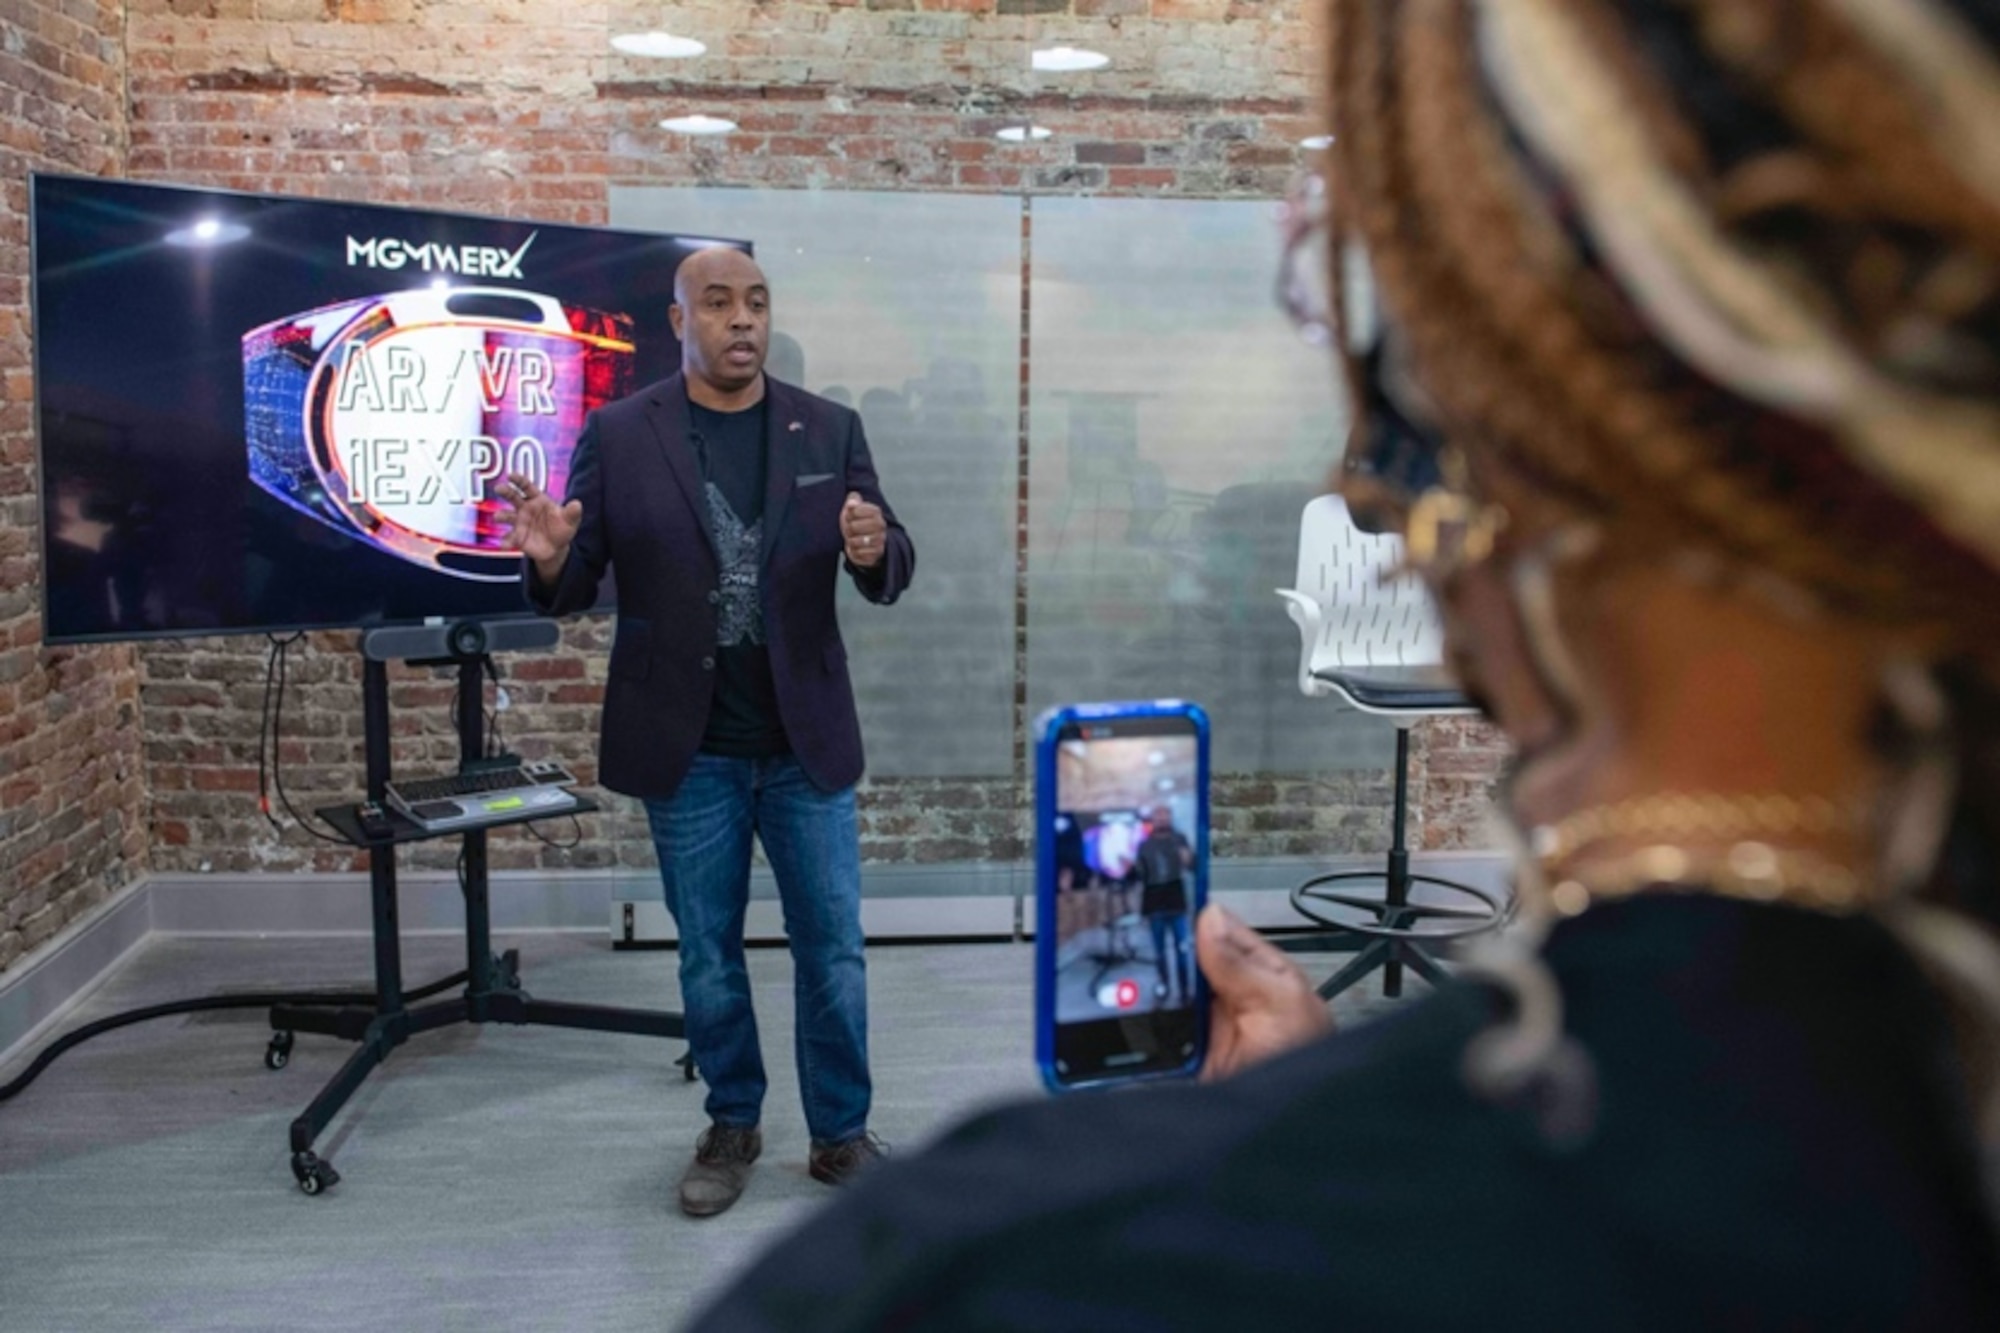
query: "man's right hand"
1263, 1003
540, 528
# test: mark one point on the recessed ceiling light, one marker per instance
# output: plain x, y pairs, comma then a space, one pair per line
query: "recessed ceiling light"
1023, 133
1316, 141
697, 125
659, 45
1069, 59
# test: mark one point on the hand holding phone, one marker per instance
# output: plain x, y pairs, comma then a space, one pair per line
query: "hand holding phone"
1121, 818
1263, 1002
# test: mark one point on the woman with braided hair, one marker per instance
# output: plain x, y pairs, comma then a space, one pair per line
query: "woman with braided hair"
1673, 332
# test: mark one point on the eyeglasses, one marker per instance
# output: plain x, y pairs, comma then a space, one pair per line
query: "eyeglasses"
1390, 454
1395, 461
1304, 276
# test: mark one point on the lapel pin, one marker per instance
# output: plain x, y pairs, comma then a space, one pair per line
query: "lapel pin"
796, 425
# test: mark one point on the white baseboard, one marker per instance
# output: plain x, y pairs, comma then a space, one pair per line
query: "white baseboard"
638, 923
937, 902
985, 901
48, 981
427, 902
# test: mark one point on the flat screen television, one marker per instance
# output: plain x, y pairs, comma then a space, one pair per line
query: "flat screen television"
266, 413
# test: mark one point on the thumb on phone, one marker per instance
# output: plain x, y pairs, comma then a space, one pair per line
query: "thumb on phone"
1263, 1003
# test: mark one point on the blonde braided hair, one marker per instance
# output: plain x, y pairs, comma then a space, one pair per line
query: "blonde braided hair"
1760, 425
1724, 276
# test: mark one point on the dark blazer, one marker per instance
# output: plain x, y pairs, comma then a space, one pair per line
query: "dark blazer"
645, 515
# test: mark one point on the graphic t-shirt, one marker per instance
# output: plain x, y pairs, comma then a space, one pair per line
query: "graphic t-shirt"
743, 719
1161, 869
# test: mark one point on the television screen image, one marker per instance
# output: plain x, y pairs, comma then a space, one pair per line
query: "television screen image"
1111, 843
259, 412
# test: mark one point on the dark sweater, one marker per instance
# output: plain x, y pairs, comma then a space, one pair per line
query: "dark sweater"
1780, 1141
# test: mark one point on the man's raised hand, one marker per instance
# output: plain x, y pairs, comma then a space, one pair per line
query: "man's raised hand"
538, 527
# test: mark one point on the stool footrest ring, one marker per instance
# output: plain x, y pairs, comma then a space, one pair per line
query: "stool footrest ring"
1395, 920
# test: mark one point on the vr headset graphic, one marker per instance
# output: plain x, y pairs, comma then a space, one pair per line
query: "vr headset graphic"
394, 418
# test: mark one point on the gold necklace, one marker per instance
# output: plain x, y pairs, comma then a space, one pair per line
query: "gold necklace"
1749, 870
1701, 816
1719, 843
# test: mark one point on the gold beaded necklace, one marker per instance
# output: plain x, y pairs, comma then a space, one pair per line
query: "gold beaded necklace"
1702, 842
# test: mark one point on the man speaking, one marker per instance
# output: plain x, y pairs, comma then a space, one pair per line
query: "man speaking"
727, 503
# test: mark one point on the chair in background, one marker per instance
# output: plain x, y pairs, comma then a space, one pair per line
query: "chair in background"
1373, 641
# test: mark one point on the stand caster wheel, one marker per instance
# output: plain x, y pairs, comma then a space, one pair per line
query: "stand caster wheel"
313, 1175
279, 1053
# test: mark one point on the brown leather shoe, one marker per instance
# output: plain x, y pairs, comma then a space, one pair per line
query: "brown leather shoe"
837, 1163
720, 1169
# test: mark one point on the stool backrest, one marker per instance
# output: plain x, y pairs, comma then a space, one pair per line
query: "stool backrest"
1366, 618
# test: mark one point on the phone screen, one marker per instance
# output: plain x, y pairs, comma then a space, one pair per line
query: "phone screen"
1123, 865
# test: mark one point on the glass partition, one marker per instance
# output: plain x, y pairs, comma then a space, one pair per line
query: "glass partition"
906, 307
1177, 427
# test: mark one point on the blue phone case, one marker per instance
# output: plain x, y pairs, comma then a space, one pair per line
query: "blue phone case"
1047, 728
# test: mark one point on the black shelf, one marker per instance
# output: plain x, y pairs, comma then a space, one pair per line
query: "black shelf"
342, 819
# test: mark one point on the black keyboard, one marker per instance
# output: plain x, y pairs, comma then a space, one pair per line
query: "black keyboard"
459, 800
488, 780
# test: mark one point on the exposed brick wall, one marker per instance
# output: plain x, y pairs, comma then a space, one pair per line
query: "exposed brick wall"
1457, 761
520, 107
72, 798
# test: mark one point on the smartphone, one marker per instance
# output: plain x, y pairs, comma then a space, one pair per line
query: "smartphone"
1121, 871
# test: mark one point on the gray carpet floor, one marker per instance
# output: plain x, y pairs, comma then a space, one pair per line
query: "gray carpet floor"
493, 1177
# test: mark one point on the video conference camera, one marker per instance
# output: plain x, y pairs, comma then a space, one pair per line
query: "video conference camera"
458, 640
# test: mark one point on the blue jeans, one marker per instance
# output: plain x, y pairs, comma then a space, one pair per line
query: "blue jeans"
702, 835
1170, 941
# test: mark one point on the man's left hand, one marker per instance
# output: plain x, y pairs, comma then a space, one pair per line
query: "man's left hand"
862, 531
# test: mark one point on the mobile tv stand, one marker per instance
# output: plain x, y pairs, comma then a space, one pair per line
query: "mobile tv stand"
493, 991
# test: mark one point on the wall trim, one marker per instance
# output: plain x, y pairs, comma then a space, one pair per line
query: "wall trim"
50, 979
968, 900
